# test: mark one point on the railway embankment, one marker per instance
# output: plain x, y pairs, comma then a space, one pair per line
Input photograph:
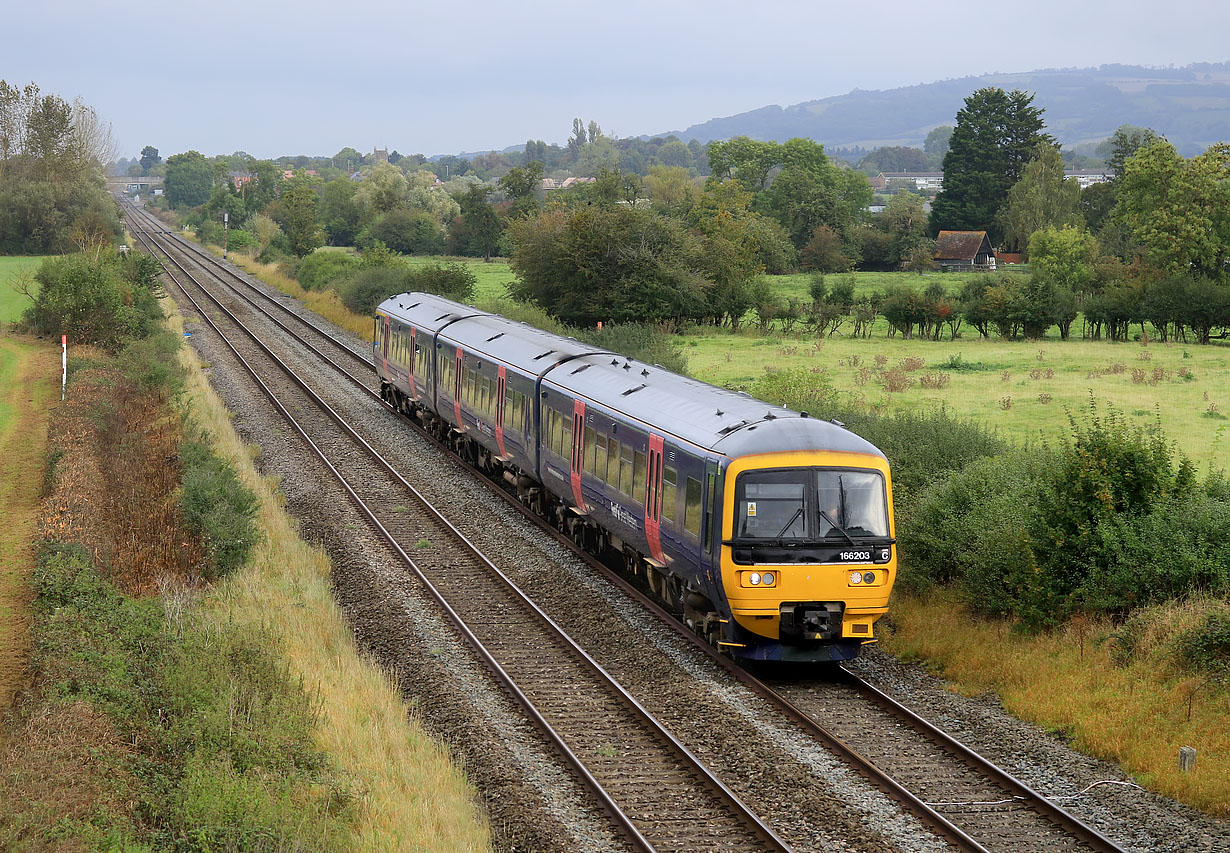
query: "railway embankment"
190, 679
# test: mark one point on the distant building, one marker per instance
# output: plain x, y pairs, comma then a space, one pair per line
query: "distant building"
928, 182
238, 179
287, 174
957, 251
1089, 177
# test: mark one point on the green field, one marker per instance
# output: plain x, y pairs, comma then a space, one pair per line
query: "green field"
796, 286
492, 277
13, 303
1023, 390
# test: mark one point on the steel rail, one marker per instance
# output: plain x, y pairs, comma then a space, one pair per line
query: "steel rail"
939, 824
768, 836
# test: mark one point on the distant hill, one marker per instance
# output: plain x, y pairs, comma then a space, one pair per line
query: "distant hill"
1190, 106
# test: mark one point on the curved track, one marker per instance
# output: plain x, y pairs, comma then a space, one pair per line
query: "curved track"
961, 796
655, 790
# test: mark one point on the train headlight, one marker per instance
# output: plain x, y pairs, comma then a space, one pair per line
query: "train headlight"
856, 577
767, 579
870, 577
754, 578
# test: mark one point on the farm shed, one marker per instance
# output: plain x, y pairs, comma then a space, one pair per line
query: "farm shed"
964, 250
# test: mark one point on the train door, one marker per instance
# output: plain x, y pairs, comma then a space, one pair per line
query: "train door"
710, 522
385, 348
653, 499
410, 365
457, 379
501, 391
578, 451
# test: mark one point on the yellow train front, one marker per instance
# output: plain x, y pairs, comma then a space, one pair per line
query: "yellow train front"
808, 556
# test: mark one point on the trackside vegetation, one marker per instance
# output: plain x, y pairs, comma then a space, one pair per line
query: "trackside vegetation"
165, 713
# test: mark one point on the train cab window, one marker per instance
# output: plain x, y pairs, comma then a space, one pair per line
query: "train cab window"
600, 457
625, 469
692, 507
638, 477
590, 448
851, 503
670, 477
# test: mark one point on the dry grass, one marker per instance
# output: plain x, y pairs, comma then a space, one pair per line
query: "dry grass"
324, 302
413, 798
1136, 715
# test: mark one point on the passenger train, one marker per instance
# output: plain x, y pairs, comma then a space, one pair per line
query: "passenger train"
770, 532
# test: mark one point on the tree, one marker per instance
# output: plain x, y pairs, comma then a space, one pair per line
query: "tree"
339, 211
382, 190
905, 220
616, 264
297, 210
668, 186
937, 141
1124, 142
995, 135
825, 252
744, 159
347, 159
149, 159
189, 179
1066, 256
483, 230
1178, 210
523, 184
811, 191
1042, 198
410, 232
894, 158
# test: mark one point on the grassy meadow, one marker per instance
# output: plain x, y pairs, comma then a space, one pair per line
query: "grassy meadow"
12, 269
1021, 389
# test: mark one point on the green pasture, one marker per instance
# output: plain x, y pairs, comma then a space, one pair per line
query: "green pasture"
12, 303
1023, 390
492, 277
796, 285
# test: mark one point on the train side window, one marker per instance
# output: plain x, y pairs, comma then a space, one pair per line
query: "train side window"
590, 447
691, 508
638, 477
565, 440
669, 492
519, 411
600, 457
625, 469
467, 393
510, 409
612, 462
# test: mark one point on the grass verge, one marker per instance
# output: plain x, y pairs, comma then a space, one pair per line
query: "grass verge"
411, 797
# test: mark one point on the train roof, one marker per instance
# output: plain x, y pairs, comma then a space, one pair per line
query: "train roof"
724, 421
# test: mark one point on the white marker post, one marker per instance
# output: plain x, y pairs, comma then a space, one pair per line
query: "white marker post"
63, 365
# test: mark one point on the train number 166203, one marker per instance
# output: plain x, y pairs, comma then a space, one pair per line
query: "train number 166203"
848, 556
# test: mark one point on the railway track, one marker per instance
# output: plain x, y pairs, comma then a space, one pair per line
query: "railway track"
656, 791
961, 796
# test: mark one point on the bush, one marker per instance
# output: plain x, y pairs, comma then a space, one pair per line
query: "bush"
453, 280
93, 300
1107, 522
322, 268
411, 232
647, 343
370, 286
218, 508
1206, 647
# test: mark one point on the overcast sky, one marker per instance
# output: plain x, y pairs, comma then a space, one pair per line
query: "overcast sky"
434, 78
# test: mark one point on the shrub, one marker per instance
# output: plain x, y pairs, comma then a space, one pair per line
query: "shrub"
218, 508
1206, 647
370, 286
322, 268
647, 343
93, 300
453, 280
411, 232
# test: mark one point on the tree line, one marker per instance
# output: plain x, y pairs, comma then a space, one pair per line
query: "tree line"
52, 195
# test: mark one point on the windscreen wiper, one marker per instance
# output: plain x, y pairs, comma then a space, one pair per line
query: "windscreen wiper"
798, 512
837, 527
